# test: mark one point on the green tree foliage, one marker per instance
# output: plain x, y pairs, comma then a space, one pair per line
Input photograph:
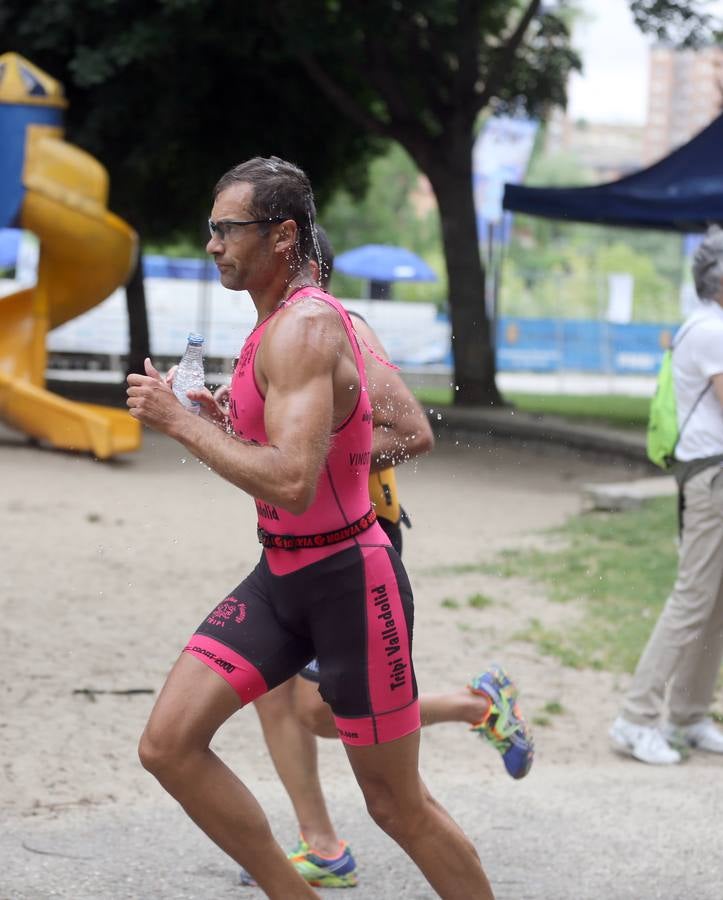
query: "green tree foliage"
392, 211
168, 94
691, 24
573, 283
560, 269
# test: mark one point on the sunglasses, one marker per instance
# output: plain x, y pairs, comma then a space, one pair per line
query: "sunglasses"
225, 228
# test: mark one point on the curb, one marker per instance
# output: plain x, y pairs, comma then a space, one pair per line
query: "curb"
513, 424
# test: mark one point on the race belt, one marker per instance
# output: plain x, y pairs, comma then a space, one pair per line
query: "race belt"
310, 541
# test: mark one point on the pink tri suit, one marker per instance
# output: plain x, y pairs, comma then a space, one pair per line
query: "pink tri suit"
328, 584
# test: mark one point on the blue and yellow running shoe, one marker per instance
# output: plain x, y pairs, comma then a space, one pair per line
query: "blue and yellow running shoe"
503, 725
318, 871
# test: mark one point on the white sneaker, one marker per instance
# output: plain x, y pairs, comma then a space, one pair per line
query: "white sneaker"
703, 735
643, 742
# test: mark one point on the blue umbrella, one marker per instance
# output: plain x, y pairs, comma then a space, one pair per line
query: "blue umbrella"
382, 262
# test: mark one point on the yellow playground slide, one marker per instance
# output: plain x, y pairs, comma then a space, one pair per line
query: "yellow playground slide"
58, 192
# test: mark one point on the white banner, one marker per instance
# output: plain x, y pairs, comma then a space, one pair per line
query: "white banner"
411, 332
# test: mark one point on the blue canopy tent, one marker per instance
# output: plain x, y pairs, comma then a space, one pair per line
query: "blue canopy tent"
682, 192
381, 264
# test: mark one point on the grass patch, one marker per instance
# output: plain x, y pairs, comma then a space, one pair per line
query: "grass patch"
434, 397
479, 601
610, 409
541, 721
456, 569
619, 566
613, 409
449, 603
543, 718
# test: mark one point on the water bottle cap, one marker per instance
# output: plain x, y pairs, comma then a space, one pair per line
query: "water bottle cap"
194, 338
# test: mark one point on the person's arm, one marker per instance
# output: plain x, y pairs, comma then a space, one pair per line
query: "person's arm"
718, 387
401, 429
300, 354
705, 351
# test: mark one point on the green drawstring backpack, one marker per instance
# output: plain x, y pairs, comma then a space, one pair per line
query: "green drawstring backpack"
663, 434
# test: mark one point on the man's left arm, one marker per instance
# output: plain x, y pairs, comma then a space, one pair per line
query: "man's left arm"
401, 429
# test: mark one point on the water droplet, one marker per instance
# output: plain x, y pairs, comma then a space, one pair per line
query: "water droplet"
439, 416
183, 459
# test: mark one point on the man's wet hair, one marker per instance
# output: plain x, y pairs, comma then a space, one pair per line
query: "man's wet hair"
279, 189
326, 263
708, 265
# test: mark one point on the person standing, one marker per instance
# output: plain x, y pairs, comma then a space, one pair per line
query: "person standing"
328, 584
683, 654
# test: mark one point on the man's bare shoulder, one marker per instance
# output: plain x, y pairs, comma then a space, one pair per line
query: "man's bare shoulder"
307, 327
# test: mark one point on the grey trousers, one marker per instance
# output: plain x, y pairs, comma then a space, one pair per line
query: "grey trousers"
683, 654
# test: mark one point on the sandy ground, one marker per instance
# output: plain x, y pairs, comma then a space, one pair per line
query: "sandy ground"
107, 568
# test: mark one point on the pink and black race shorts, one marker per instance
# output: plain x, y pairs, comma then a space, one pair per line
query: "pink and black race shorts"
353, 611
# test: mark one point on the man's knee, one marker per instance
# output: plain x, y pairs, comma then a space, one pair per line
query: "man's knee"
394, 813
161, 754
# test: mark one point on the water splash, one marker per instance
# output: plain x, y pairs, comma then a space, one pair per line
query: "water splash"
315, 240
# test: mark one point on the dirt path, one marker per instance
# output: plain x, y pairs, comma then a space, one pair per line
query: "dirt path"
109, 567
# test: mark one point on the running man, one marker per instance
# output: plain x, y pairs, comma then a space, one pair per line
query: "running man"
328, 585
292, 711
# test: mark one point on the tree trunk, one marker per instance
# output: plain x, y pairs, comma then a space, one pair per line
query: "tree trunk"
472, 346
138, 338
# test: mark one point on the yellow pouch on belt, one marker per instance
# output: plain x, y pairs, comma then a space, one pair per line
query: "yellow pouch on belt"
383, 493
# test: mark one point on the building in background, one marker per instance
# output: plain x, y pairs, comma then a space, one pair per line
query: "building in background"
685, 94
607, 150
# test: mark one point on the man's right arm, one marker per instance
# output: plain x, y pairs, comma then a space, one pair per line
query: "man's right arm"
298, 414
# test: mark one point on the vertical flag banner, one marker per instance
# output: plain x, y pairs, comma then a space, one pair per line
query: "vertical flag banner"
500, 155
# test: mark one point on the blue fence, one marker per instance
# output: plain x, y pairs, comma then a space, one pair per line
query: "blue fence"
555, 345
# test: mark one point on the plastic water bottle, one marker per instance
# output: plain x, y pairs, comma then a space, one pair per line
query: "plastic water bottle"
189, 374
